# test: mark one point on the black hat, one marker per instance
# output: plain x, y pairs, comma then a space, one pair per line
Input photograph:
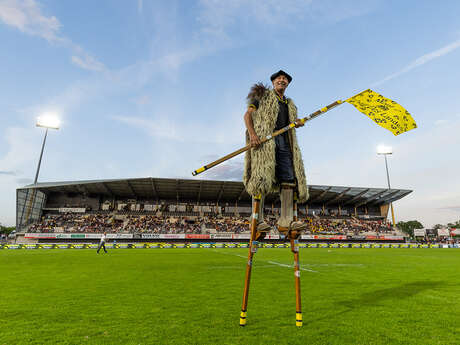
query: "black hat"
281, 72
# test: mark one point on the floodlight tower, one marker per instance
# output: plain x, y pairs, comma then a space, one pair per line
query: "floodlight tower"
48, 121
387, 150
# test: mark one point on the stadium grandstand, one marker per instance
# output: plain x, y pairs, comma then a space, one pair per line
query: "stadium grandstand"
140, 209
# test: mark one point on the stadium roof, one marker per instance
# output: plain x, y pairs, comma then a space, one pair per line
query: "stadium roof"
151, 188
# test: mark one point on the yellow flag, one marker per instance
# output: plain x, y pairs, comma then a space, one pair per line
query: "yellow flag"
383, 111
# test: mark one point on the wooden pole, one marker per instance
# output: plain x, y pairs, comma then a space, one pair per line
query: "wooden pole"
252, 249
392, 214
269, 137
295, 251
298, 303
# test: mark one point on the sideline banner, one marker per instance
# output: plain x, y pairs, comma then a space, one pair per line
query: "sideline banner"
151, 236
323, 237
92, 236
117, 236
60, 235
72, 210
173, 236
197, 236
443, 232
454, 232
41, 235
391, 238
223, 245
217, 236
77, 236
242, 236
221, 236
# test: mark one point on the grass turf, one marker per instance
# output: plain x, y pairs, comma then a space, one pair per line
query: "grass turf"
193, 296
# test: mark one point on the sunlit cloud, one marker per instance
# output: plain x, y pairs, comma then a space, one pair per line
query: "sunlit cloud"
27, 16
421, 61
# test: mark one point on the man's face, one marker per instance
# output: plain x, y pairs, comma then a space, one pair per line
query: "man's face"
280, 83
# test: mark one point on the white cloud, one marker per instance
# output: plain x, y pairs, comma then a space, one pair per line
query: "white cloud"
87, 62
224, 132
218, 16
159, 129
170, 55
421, 61
27, 17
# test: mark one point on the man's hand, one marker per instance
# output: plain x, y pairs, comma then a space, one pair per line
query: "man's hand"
254, 139
299, 123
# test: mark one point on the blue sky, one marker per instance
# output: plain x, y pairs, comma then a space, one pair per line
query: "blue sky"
154, 88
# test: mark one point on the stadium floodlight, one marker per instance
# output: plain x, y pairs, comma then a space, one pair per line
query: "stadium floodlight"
384, 150
48, 121
387, 150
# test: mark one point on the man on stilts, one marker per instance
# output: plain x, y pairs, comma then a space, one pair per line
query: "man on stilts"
276, 165
273, 162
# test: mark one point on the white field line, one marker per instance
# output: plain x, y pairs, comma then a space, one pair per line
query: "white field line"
290, 266
334, 265
233, 267
270, 262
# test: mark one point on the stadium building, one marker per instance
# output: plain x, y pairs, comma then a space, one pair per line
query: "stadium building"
187, 198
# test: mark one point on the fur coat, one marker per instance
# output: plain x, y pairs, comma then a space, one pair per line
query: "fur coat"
259, 163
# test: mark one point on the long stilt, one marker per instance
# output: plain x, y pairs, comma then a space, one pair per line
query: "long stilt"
298, 305
295, 250
252, 249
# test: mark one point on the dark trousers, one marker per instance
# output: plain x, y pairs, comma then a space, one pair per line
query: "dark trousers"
284, 168
101, 245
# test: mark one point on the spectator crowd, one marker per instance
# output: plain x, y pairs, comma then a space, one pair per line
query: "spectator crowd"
162, 224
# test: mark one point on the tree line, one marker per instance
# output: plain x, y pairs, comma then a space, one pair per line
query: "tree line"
6, 229
411, 225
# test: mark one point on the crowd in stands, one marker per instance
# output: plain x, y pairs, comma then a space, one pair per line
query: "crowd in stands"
95, 223
347, 226
162, 224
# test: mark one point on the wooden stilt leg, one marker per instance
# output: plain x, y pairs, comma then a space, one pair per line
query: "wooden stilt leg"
252, 249
295, 250
298, 305
294, 207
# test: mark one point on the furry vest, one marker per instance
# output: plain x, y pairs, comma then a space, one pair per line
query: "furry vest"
259, 163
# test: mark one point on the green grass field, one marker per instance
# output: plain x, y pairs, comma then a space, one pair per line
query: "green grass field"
193, 296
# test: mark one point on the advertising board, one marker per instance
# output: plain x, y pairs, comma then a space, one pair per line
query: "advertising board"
197, 236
